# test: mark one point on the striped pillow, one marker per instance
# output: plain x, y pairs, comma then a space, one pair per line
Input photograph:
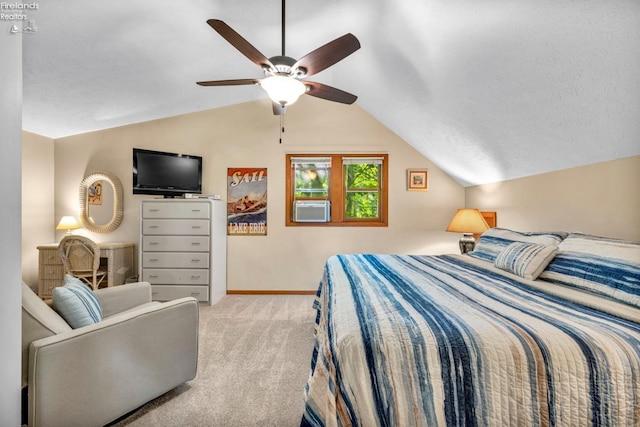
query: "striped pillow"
495, 240
525, 259
608, 267
76, 303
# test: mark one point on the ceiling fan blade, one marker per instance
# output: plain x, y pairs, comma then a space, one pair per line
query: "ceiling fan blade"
235, 82
278, 109
329, 93
327, 55
240, 43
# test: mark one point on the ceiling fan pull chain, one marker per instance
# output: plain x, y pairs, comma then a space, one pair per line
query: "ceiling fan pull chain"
281, 127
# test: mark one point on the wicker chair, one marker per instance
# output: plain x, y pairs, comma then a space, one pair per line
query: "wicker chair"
81, 258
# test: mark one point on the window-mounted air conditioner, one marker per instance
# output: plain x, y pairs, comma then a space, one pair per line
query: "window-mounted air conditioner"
311, 211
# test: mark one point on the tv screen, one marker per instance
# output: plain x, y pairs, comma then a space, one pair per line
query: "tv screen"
166, 174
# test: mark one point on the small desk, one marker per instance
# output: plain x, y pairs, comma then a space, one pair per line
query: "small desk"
116, 256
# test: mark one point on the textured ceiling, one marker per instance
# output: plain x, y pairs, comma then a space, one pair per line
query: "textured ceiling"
488, 90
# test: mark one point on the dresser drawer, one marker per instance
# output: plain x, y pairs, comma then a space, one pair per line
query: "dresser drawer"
188, 227
51, 272
160, 276
175, 260
168, 293
45, 287
176, 210
49, 256
175, 243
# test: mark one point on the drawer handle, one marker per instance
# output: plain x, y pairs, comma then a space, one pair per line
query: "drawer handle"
154, 259
195, 277
153, 226
195, 294
154, 293
195, 260
196, 210
154, 210
195, 243
153, 243
195, 226
153, 276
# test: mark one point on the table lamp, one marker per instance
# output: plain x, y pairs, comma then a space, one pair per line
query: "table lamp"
68, 223
468, 222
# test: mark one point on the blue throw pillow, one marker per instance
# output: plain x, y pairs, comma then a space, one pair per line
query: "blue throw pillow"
608, 267
76, 303
527, 260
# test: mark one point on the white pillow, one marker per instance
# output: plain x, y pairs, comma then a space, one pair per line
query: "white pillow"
527, 260
76, 303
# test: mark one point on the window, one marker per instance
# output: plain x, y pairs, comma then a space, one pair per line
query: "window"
343, 189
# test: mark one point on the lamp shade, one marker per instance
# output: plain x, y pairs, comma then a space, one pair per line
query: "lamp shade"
468, 221
283, 90
67, 223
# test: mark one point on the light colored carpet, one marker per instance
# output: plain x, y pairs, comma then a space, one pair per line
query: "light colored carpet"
254, 360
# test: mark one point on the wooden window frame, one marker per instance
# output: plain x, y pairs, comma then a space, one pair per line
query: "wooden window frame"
336, 192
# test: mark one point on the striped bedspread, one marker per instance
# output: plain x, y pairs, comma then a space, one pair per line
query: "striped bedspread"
437, 341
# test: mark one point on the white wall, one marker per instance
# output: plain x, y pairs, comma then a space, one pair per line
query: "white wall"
601, 199
247, 135
38, 196
10, 289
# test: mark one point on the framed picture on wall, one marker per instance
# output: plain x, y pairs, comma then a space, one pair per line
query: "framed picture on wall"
247, 201
417, 179
95, 193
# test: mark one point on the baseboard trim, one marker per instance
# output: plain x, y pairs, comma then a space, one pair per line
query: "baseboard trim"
268, 292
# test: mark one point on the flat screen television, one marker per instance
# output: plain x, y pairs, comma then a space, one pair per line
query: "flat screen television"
166, 174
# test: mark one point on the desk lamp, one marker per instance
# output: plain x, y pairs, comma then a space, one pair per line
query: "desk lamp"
68, 223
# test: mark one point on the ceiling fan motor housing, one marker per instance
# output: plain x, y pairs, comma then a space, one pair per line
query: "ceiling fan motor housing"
284, 66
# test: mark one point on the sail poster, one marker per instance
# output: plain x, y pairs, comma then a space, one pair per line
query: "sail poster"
247, 201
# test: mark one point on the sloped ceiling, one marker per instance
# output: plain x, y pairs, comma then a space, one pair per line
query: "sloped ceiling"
488, 90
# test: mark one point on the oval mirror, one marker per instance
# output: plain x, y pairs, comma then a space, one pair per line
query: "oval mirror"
101, 200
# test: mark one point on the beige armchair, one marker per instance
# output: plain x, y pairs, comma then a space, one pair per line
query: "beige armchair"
93, 375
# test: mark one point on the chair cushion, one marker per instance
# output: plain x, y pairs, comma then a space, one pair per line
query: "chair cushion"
137, 308
527, 260
76, 303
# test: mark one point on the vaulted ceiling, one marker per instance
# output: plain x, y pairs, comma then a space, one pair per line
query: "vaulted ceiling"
488, 90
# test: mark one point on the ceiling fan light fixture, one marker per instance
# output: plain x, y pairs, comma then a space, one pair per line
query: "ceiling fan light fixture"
283, 90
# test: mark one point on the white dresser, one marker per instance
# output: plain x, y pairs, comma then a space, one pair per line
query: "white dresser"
183, 248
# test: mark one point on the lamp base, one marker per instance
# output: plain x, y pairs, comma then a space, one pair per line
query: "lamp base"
467, 243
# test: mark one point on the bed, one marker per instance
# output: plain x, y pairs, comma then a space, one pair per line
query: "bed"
529, 329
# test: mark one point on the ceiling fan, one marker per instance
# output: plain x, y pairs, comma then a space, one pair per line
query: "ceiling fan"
284, 75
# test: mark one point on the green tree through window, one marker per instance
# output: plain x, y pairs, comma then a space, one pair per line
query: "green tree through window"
362, 189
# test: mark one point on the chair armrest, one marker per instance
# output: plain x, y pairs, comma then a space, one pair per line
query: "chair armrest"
117, 299
95, 374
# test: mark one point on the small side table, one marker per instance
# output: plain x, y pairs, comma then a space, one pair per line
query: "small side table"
116, 256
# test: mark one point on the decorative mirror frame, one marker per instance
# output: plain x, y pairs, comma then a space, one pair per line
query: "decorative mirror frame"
118, 202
